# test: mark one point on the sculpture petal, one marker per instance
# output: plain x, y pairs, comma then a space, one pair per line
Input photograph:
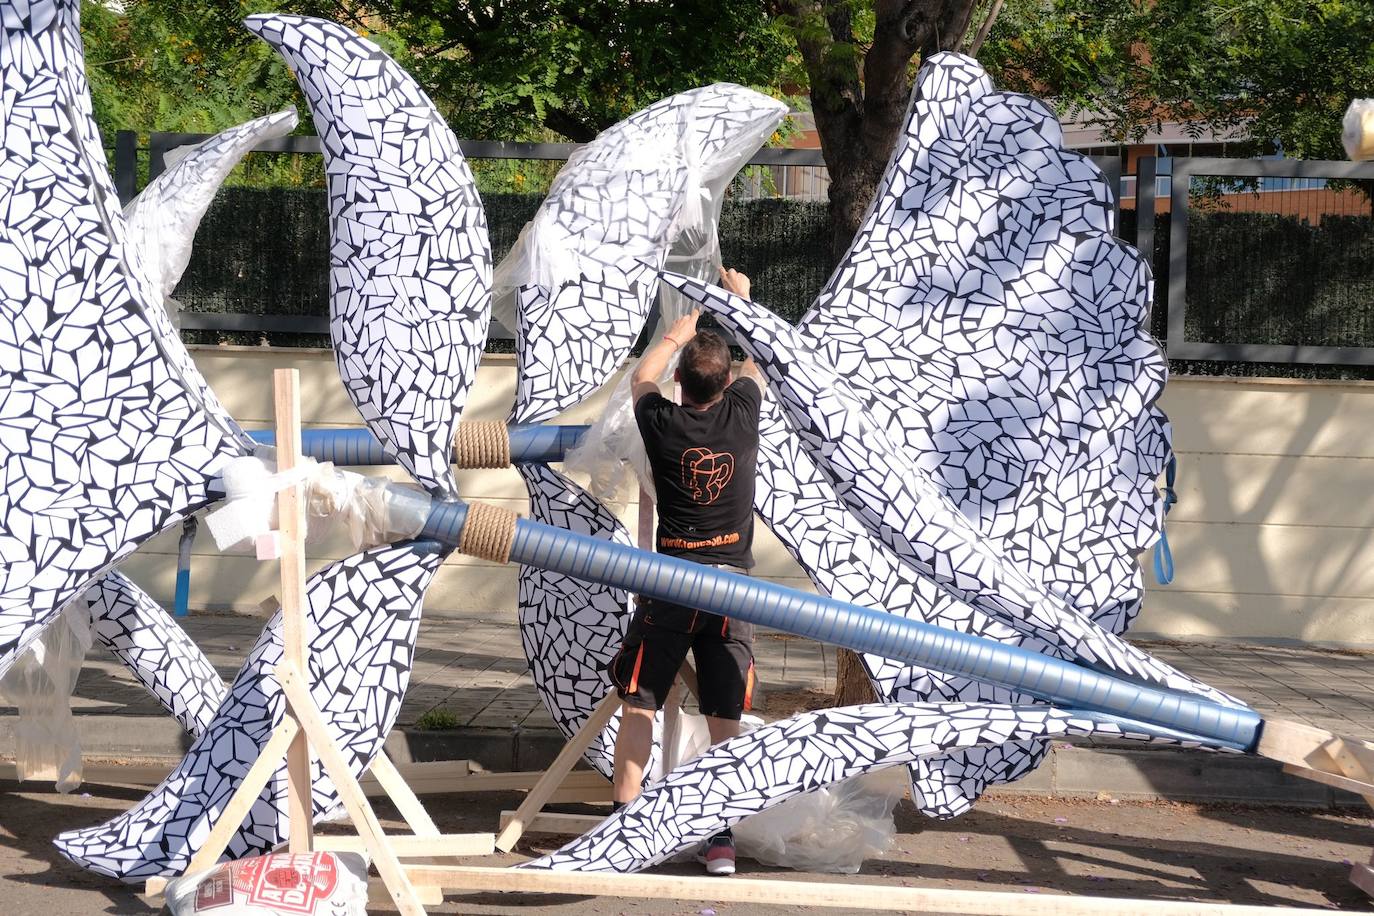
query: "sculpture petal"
410, 265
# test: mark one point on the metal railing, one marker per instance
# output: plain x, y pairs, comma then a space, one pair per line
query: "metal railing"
1181, 172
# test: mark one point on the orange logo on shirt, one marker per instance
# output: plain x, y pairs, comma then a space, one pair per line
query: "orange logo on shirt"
706, 473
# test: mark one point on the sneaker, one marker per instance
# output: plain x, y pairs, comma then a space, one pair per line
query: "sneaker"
718, 855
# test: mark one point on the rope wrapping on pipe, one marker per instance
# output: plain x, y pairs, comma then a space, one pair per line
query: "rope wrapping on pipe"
482, 444
488, 533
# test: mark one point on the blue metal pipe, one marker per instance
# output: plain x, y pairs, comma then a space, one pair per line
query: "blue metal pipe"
529, 443
862, 629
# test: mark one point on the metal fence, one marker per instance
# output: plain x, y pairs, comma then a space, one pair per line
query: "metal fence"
1244, 275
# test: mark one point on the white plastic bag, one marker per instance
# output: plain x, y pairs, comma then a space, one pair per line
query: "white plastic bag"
1358, 134
307, 884
833, 829
40, 686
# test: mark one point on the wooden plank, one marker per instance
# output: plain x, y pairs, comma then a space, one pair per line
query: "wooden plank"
417, 847
1331, 779
434, 783
1307, 746
550, 822
378, 895
250, 787
1362, 876
350, 793
558, 770
291, 526
421, 824
833, 895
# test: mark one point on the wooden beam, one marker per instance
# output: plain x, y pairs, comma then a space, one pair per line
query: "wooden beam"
250, 787
557, 771
1362, 876
291, 525
884, 897
1331, 779
549, 822
434, 783
350, 793
418, 819
1308, 746
416, 847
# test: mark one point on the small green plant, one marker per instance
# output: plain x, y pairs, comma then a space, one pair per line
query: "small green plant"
437, 720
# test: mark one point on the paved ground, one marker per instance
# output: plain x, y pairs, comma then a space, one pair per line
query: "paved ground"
473, 667
1156, 851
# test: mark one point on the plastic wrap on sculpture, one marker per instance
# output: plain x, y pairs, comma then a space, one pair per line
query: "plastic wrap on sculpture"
363, 615
104, 439
991, 324
39, 685
646, 192
410, 265
164, 216
756, 771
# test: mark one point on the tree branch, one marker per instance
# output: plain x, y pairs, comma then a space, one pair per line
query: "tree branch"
569, 125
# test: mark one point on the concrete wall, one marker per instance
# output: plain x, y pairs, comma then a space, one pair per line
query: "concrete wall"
1272, 531
1270, 535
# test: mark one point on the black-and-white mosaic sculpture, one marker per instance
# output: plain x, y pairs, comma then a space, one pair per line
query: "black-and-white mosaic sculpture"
150, 643
987, 328
410, 266
104, 438
755, 771
581, 276
363, 614
581, 273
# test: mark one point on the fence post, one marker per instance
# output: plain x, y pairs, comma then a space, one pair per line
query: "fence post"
126, 165
1146, 180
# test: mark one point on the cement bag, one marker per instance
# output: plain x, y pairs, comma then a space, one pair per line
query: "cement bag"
308, 884
833, 829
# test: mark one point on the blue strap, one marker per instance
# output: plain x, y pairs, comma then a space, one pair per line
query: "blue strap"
1164, 557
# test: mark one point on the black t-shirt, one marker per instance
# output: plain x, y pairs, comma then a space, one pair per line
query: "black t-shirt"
703, 465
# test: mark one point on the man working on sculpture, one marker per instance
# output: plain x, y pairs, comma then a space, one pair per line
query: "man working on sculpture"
702, 454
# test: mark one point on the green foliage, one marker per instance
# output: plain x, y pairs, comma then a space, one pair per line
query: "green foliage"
190, 68
1280, 72
530, 69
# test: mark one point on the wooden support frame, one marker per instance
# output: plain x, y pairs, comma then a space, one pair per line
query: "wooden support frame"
303, 726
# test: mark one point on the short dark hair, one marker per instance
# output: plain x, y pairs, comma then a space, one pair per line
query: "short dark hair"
704, 369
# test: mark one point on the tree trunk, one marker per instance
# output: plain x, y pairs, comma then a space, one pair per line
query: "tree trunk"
852, 686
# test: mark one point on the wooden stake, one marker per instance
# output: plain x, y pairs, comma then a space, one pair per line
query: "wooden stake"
553, 776
291, 524
421, 824
350, 792
245, 796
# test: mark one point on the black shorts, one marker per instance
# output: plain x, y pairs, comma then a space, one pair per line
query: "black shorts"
656, 644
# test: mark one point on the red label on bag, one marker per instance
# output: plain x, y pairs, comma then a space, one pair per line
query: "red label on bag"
285, 882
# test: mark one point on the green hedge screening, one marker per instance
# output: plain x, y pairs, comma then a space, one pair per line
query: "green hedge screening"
1252, 277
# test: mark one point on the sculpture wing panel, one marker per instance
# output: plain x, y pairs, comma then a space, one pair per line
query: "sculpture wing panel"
363, 615
410, 265
104, 438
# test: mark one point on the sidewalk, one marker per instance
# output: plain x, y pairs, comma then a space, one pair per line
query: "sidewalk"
472, 666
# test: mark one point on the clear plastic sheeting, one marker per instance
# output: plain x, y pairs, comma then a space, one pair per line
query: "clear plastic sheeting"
645, 194
612, 445
1358, 134
40, 686
833, 829
374, 511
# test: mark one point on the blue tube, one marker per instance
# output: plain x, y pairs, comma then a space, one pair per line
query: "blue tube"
861, 629
352, 447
